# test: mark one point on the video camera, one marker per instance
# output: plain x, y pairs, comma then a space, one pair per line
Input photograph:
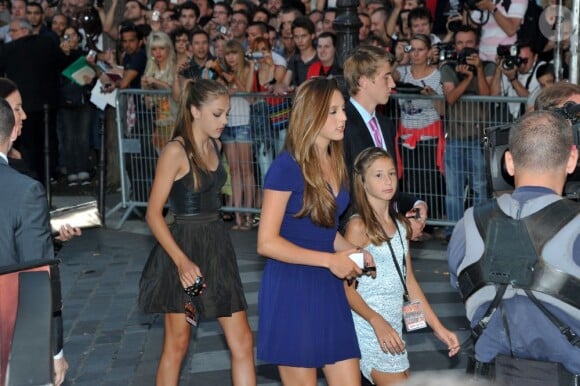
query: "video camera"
509, 55
256, 55
446, 51
496, 145
459, 57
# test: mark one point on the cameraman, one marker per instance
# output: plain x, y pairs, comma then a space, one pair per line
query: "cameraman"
464, 160
516, 76
499, 20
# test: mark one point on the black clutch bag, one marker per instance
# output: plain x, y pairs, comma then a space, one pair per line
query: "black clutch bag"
85, 215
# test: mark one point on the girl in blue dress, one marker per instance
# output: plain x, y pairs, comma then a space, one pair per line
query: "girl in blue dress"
305, 320
378, 303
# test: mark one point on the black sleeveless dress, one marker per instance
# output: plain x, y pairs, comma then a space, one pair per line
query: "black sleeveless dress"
204, 238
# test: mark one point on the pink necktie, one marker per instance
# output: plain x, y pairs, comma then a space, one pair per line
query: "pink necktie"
376, 132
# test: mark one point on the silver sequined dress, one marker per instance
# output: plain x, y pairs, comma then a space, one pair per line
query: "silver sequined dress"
384, 294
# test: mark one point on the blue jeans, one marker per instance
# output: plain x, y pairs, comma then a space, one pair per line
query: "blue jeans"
464, 164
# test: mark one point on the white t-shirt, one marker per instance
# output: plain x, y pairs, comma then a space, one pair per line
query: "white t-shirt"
239, 111
508, 90
419, 113
278, 59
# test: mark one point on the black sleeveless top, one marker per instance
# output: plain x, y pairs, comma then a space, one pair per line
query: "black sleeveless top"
184, 201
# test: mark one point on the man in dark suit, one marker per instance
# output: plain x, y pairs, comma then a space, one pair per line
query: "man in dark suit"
24, 229
367, 73
34, 62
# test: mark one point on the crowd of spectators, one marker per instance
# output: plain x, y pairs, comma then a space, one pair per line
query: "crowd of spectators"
270, 46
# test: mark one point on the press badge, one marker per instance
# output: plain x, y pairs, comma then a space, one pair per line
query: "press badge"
413, 316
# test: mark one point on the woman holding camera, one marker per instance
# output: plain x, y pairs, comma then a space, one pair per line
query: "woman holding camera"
275, 110
420, 136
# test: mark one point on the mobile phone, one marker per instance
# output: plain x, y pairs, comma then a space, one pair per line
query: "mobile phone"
155, 16
222, 29
103, 66
417, 213
92, 54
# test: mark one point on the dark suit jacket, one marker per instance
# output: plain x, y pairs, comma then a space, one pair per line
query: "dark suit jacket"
34, 63
357, 138
25, 230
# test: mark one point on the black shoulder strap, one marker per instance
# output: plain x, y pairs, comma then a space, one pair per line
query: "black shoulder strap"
532, 75
484, 213
545, 223
477, 330
216, 147
570, 334
179, 142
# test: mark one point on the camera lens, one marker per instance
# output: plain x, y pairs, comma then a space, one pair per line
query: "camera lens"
508, 63
454, 25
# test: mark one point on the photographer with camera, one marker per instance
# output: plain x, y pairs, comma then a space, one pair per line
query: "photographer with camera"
200, 65
499, 20
515, 76
464, 121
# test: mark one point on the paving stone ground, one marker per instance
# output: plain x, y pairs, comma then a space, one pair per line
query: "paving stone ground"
108, 341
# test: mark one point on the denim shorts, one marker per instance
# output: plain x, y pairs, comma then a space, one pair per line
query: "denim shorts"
233, 134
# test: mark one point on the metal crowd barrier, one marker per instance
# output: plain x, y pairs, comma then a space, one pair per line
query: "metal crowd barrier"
144, 126
457, 180
448, 182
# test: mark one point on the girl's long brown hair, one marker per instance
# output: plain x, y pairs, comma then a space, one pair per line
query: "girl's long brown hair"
195, 93
310, 110
374, 229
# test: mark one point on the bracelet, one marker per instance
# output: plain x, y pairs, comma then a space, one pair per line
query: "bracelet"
514, 78
494, 10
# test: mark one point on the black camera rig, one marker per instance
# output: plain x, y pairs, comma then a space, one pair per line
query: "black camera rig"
496, 145
510, 55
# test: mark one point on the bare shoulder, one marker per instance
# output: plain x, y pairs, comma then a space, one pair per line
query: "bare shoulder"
173, 157
356, 231
174, 149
